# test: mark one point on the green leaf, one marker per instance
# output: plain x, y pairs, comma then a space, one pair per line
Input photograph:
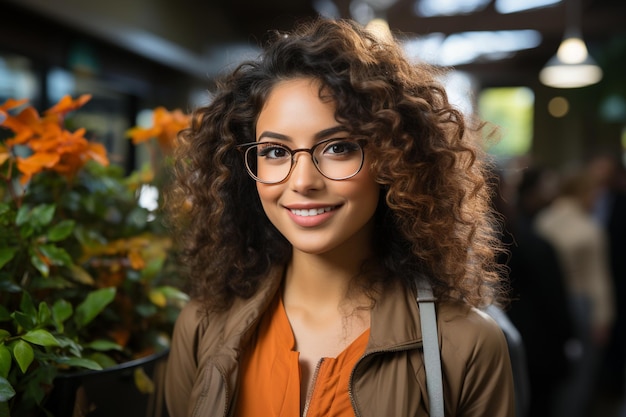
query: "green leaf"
6, 390
40, 337
103, 345
105, 361
174, 294
4, 408
6, 283
152, 268
39, 263
24, 355
138, 217
4, 314
146, 309
24, 320
27, 230
88, 236
56, 255
44, 314
93, 305
5, 361
60, 230
23, 215
61, 311
67, 343
4, 334
81, 276
43, 214
81, 363
27, 306
33, 392
6, 254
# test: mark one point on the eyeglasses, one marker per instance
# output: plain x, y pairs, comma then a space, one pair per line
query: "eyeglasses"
272, 163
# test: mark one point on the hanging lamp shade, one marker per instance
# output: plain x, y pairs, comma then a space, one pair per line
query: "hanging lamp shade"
572, 66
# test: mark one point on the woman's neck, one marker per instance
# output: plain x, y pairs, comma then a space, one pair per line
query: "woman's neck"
326, 308
319, 281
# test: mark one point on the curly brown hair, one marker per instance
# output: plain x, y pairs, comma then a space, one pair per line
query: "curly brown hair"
434, 215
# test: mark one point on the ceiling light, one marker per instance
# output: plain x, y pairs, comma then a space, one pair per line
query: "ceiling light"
514, 6
467, 47
431, 8
572, 66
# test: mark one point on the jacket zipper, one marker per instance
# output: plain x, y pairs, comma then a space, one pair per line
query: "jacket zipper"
357, 413
309, 393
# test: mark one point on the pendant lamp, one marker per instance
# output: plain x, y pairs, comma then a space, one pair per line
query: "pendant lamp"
572, 66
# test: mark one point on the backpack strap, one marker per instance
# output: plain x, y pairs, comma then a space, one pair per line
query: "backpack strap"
430, 341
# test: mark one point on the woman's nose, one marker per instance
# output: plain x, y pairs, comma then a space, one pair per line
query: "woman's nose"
305, 175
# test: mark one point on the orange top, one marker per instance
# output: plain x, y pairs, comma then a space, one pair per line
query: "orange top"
270, 374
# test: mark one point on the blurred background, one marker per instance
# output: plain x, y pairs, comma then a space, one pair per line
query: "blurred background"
559, 116
134, 55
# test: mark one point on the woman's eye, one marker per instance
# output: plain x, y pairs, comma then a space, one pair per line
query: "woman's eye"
340, 148
273, 152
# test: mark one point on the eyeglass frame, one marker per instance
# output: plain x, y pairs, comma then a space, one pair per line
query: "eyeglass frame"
245, 147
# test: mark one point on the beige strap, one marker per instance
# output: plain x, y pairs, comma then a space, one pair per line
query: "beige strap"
430, 341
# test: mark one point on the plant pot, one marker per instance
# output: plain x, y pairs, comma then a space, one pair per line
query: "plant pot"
112, 392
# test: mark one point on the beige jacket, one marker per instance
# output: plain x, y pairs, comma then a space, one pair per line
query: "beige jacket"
582, 246
388, 380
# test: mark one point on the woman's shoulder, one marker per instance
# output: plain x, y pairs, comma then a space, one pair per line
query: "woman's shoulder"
192, 319
197, 330
474, 355
468, 328
195, 316
202, 325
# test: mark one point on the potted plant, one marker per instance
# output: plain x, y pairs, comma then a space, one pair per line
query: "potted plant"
88, 277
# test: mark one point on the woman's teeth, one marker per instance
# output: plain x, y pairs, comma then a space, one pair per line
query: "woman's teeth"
310, 212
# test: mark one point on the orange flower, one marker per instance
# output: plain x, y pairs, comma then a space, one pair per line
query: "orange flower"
23, 126
53, 147
4, 155
120, 336
166, 126
136, 260
35, 164
66, 105
11, 103
98, 153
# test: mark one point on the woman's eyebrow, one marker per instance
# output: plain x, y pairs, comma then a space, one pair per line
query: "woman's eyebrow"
273, 135
318, 136
330, 131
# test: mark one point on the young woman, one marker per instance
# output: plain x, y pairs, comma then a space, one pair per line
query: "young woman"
312, 191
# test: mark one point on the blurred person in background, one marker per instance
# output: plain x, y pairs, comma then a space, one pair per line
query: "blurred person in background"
609, 210
538, 306
582, 248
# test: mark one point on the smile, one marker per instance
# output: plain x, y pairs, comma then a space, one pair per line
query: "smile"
311, 212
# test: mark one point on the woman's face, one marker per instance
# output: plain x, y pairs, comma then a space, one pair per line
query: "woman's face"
316, 214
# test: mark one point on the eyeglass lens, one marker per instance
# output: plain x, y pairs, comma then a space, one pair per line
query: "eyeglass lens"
338, 159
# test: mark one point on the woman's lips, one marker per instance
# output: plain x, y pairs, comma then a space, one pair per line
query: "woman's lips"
311, 217
310, 212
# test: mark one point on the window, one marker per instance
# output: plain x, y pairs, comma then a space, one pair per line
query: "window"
511, 110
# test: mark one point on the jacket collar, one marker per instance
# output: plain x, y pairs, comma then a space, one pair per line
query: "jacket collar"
242, 318
394, 317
